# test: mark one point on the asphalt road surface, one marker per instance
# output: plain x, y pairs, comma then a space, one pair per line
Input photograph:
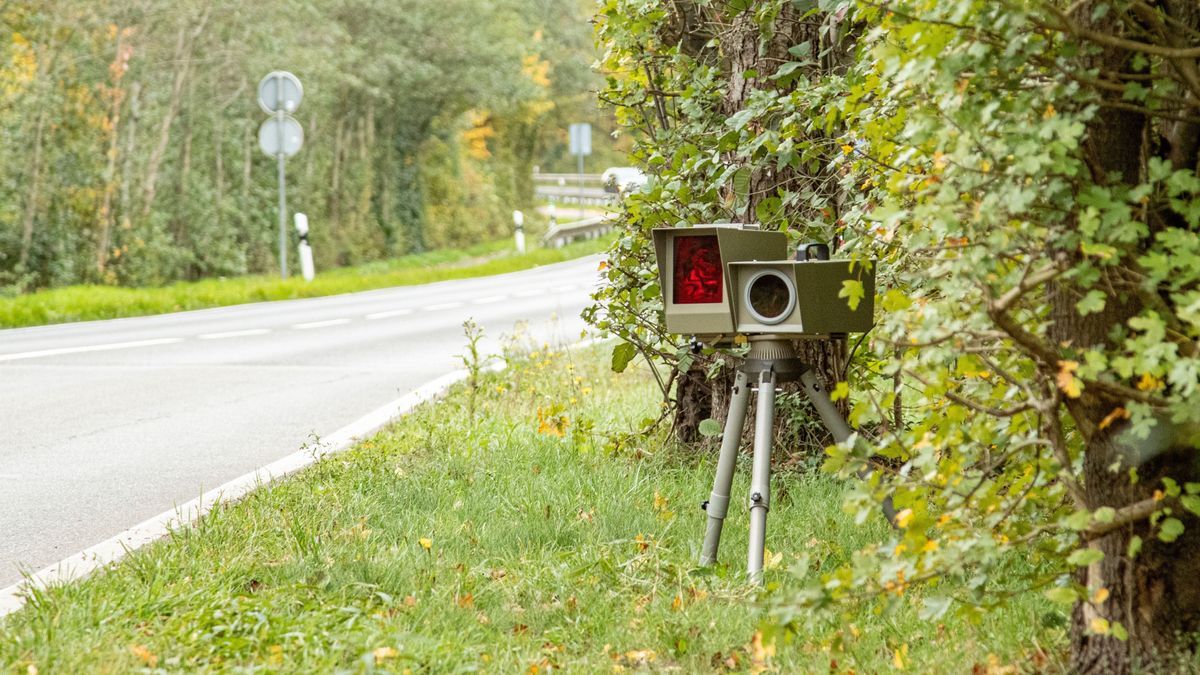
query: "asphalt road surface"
105, 424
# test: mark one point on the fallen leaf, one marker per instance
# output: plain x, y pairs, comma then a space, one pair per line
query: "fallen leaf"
382, 654
145, 655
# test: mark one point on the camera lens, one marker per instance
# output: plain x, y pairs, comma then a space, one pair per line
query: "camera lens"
770, 297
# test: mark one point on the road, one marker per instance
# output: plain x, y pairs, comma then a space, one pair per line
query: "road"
107, 423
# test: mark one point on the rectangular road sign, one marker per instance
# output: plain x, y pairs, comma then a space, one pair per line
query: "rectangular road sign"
581, 139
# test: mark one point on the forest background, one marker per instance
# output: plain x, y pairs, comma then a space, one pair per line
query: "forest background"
129, 130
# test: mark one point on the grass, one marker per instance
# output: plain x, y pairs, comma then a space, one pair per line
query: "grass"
446, 544
90, 302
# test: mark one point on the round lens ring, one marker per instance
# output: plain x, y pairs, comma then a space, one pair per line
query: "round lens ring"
770, 297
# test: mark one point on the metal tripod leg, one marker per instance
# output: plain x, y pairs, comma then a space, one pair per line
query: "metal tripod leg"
837, 426
717, 505
825, 408
760, 477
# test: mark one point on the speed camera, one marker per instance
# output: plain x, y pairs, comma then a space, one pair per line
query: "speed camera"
720, 281
694, 276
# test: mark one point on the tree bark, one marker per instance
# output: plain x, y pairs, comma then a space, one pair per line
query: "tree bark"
1154, 594
33, 201
751, 60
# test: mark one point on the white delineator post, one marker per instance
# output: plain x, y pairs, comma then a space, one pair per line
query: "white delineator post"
304, 249
519, 234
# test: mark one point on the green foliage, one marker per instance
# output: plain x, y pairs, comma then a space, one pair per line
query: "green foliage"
133, 126
1033, 377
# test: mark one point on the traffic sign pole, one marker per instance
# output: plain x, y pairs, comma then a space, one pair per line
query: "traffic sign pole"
279, 94
279, 113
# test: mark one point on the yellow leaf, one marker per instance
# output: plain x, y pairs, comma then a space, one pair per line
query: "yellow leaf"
1149, 383
1067, 382
1099, 626
930, 546
382, 654
1050, 112
425, 543
603, 265
904, 518
771, 559
1099, 596
900, 657
1117, 413
147, 657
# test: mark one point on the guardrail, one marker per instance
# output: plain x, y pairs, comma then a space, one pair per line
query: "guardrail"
560, 235
566, 178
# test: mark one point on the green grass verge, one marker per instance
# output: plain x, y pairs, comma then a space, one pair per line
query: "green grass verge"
86, 303
445, 545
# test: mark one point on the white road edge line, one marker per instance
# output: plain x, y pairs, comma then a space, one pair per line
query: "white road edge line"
389, 314
234, 333
444, 305
89, 348
112, 550
109, 552
530, 293
320, 324
489, 300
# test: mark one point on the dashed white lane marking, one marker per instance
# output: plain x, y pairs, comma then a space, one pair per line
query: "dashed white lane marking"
320, 324
530, 293
388, 314
89, 348
444, 305
235, 333
489, 300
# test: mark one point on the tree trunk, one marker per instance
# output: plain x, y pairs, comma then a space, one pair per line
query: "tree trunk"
1153, 594
751, 62
33, 202
135, 113
105, 217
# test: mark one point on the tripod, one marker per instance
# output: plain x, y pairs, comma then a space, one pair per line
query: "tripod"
771, 360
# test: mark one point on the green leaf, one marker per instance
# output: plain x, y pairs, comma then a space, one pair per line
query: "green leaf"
621, 356
710, 428
853, 291
1170, 529
1092, 303
741, 182
1104, 514
1118, 631
1085, 556
1135, 547
1191, 503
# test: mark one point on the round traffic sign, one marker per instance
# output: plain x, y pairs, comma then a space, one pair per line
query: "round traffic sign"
280, 91
281, 135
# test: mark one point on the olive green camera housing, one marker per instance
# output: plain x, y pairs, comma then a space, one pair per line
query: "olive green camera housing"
801, 298
719, 281
693, 272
